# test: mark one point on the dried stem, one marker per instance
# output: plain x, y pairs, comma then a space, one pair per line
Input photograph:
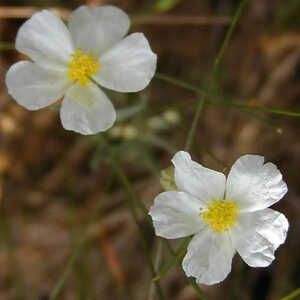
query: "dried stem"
17, 12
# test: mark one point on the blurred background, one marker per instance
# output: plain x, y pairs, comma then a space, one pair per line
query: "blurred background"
64, 216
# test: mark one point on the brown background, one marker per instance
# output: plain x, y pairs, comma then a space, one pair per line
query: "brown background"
56, 186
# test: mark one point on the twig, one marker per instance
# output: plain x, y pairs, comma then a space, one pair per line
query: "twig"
17, 12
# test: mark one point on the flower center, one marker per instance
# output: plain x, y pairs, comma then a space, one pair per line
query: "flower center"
82, 66
220, 215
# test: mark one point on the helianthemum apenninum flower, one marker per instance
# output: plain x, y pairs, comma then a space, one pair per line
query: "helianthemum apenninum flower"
224, 215
69, 61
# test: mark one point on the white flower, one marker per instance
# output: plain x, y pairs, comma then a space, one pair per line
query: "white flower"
224, 216
68, 61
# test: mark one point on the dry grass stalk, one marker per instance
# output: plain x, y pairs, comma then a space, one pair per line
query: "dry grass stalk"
14, 12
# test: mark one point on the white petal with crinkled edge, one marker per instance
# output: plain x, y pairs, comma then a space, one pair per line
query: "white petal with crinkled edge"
34, 87
209, 257
258, 235
46, 40
128, 66
97, 29
254, 185
87, 110
176, 214
204, 184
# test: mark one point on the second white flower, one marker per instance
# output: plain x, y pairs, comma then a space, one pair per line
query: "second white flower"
225, 216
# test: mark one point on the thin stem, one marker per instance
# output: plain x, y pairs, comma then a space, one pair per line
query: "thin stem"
132, 199
77, 248
54, 294
213, 73
168, 246
192, 131
181, 83
268, 110
158, 259
179, 253
193, 88
228, 36
292, 295
197, 289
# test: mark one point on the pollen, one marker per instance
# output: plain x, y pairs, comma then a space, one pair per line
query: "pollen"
220, 215
82, 67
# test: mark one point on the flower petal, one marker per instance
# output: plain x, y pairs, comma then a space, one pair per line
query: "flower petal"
128, 66
34, 87
176, 214
87, 110
98, 29
46, 40
191, 177
259, 234
254, 185
209, 257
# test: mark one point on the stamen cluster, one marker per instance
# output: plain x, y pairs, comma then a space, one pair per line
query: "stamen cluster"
220, 215
82, 66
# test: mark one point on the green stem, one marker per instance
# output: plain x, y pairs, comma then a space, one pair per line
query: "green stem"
193, 88
213, 73
157, 265
192, 131
174, 259
77, 248
56, 291
228, 36
181, 83
132, 199
292, 295
248, 108
197, 289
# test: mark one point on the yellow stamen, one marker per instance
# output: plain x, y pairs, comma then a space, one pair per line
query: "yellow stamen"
82, 67
220, 215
